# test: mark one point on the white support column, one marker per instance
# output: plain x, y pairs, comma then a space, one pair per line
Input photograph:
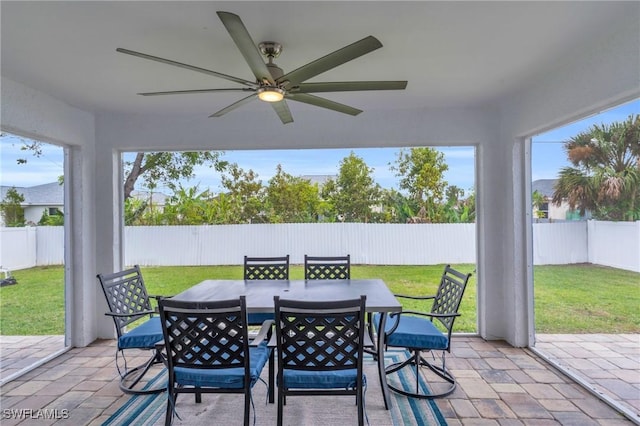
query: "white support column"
503, 302
80, 241
109, 230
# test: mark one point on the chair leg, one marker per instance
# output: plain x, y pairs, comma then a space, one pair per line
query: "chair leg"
198, 397
416, 360
247, 406
360, 403
131, 378
271, 377
171, 401
280, 405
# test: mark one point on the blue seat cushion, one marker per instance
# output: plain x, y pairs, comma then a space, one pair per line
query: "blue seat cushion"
337, 379
259, 318
414, 332
144, 336
227, 378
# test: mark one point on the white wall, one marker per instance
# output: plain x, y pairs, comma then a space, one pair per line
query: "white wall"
18, 248
561, 243
377, 244
615, 244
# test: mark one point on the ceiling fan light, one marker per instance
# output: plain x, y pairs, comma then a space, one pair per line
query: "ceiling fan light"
270, 94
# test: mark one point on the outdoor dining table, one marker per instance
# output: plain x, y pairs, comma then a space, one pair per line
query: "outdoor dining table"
259, 298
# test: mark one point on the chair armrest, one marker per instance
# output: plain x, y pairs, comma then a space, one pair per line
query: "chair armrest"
159, 296
408, 296
273, 342
113, 314
426, 314
453, 314
265, 331
367, 343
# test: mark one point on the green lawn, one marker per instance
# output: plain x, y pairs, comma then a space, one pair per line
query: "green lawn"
568, 298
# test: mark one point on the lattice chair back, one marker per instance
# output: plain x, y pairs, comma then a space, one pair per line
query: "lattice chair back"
266, 268
126, 293
205, 335
128, 302
449, 296
327, 267
320, 348
208, 350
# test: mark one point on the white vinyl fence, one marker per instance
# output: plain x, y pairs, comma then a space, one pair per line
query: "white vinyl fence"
615, 244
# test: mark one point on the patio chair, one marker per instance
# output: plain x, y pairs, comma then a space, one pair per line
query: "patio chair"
259, 269
319, 349
208, 350
327, 268
419, 331
266, 268
129, 305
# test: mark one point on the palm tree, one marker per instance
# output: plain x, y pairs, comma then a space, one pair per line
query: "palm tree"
605, 177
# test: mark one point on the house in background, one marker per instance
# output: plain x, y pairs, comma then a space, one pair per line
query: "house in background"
548, 209
319, 180
48, 197
155, 200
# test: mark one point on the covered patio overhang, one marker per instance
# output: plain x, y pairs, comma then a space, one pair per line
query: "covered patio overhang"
482, 74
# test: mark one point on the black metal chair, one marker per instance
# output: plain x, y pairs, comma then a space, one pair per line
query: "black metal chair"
320, 349
266, 268
129, 304
327, 267
419, 331
259, 269
208, 350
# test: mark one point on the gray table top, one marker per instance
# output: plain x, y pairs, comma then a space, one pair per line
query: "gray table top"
259, 294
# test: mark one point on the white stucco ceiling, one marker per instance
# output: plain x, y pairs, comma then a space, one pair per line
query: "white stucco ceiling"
453, 54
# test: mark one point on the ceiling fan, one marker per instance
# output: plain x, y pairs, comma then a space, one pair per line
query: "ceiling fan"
272, 84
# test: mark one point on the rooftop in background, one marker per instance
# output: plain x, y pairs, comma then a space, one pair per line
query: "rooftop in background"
544, 187
45, 195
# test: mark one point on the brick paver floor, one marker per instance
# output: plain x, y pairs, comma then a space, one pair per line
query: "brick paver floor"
497, 385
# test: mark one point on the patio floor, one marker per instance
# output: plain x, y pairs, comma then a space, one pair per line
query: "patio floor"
498, 384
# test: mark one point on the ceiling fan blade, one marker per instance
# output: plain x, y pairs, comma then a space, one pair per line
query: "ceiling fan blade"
233, 106
243, 40
346, 86
187, 92
323, 103
282, 109
189, 67
332, 60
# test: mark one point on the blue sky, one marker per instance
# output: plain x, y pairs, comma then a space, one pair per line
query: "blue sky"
548, 158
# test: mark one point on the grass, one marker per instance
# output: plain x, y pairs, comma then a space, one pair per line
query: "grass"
568, 299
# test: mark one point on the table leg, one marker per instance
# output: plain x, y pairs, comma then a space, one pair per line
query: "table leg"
381, 367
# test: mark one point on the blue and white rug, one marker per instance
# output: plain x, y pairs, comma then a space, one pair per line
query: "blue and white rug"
224, 410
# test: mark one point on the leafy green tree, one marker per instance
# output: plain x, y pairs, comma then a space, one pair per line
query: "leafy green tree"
421, 172
246, 193
221, 210
167, 168
47, 219
456, 209
134, 211
354, 193
292, 199
605, 177
396, 208
538, 201
187, 206
11, 208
